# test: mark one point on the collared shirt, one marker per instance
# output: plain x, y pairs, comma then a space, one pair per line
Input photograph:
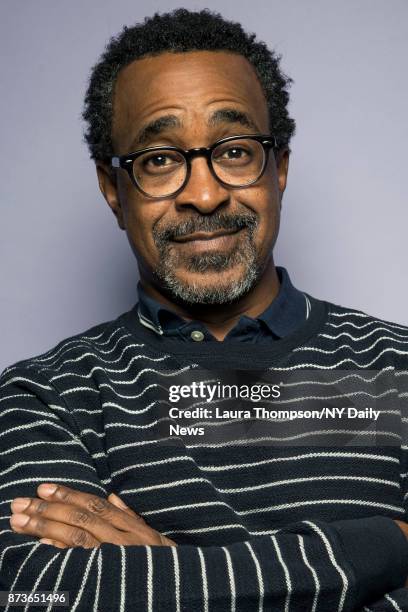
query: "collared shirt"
284, 315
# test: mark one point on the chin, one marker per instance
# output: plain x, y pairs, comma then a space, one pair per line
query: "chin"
210, 287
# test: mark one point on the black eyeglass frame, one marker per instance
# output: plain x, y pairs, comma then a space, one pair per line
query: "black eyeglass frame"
267, 141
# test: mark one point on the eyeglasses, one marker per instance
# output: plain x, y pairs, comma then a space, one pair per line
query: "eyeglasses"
235, 161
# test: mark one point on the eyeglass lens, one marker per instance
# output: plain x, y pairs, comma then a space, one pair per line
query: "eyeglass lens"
163, 171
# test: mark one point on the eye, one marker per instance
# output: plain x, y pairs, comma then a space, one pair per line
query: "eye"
234, 153
159, 162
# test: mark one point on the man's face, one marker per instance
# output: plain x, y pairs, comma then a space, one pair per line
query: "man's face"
191, 88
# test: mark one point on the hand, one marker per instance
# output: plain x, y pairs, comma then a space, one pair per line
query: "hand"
68, 518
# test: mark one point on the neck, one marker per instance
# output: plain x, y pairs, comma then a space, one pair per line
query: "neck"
221, 318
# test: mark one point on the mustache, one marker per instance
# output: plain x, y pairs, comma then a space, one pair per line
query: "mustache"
206, 224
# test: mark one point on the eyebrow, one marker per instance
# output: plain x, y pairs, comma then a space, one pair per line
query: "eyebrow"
220, 116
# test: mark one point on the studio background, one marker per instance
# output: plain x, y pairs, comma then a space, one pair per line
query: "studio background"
65, 265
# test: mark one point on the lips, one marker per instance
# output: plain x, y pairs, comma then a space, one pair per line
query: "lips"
205, 236
201, 242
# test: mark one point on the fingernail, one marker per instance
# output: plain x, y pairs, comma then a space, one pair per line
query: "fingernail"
47, 489
46, 541
120, 502
19, 520
20, 503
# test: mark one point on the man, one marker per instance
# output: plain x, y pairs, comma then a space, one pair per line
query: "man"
188, 126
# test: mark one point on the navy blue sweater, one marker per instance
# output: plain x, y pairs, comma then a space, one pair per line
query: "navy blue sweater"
302, 526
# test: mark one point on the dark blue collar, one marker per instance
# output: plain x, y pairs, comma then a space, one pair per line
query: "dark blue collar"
286, 313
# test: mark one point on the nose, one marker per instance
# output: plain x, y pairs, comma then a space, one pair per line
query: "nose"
202, 190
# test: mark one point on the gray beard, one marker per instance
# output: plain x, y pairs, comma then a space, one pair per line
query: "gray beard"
227, 292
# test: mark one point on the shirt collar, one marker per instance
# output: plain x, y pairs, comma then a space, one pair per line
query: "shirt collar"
283, 316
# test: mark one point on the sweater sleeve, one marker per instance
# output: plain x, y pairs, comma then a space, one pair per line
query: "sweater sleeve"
397, 600
307, 565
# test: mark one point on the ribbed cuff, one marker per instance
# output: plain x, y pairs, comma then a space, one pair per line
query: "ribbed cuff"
377, 551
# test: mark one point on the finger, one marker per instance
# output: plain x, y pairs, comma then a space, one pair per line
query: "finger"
116, 501
96, 506
166, 541
70, 516
52, 530
103, 520
119, 503
99, 528
53, 543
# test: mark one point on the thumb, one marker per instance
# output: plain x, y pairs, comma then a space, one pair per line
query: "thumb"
116, 501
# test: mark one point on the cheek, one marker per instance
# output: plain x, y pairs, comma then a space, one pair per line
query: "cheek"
139, 230
140, 219
265, 202
269, 227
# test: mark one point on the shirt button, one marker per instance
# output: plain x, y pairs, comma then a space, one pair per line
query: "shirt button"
197, 336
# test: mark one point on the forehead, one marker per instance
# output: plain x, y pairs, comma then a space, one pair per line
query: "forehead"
191, 83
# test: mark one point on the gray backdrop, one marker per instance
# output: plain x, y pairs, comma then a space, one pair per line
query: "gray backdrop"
66, 266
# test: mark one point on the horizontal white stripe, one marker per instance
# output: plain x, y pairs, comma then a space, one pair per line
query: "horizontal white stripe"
51, 478
311, 455
118, 371
7, 397
37, 413
98, 357
33, 464
24, 379
323, 502
92, 340
193, 506
351, 375
79, 343
325, 477
148, 464
335, 365
35, 424
349, 347
358, 316
364, 336
40, 443
166, 485
279, 507
119, 382
132, 396
210, 528
336, 432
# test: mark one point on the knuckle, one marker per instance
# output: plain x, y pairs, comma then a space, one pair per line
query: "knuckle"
97, 505
63, 494
80, 517
41, 506
79, 537
39, 524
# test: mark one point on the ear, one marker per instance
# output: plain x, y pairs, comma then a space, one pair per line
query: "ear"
282, 166
108, 186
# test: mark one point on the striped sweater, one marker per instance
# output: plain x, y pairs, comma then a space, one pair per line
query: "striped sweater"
283, 528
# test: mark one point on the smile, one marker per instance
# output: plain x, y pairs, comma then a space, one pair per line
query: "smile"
203, 242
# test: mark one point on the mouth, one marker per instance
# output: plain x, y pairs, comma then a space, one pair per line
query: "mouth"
202, 241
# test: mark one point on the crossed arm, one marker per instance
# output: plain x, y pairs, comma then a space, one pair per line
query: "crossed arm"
65, 518
109, 558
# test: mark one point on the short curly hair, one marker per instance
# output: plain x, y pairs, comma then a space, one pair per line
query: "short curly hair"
178, 31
